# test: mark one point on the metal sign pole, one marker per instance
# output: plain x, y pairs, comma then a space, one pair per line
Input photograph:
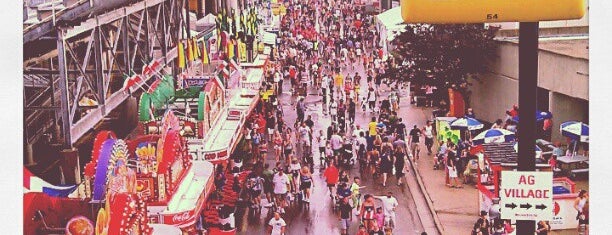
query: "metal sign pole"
528, 86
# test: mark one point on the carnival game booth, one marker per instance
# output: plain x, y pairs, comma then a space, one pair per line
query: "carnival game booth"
176, 187
493, 158
109, 205
198, 105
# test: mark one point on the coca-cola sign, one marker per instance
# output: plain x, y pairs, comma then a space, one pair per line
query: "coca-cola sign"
177, 219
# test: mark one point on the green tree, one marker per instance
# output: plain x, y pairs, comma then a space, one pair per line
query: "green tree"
445, 55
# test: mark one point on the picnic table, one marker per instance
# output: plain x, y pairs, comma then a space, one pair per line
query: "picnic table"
572, 166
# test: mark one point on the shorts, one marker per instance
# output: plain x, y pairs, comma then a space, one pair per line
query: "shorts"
428, 141
414, 147
368, 215
270, 131
305, 185
268, 188
331, 185
277, 147
256, 193
385, 168
322, 149
288, 151
344, 224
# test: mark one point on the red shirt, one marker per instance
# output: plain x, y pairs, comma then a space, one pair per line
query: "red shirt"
331, 175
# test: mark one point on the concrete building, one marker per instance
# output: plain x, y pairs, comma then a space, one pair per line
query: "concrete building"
563, 74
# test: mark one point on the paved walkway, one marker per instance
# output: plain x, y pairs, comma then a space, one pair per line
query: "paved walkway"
457, 209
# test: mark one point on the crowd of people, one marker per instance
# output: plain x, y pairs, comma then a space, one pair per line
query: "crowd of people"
323, 45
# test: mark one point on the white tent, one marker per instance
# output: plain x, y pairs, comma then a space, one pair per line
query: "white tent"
269, 38
389, 24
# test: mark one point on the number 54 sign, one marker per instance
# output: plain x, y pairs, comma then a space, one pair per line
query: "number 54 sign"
482, 11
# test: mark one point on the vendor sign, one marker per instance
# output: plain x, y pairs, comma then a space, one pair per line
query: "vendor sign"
526, 195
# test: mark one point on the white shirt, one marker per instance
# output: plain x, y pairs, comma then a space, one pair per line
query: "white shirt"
277, 77
372, 96
277, 225
333, 108
325, 82
362, 140
322, 140
428, 131
295, 167
388, 204
280, 183
336, 141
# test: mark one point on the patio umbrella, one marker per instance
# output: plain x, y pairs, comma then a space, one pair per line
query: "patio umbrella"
538, 150
540, 116
494, 136
575, 130
466, 123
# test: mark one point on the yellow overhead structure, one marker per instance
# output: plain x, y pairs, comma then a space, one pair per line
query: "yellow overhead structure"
482, 11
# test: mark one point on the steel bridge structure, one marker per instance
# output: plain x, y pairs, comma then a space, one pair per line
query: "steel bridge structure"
77, 59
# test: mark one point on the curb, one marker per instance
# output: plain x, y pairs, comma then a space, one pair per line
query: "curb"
434, 214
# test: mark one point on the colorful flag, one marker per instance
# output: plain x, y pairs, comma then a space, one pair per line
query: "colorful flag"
205, 59
189, 50
181, 55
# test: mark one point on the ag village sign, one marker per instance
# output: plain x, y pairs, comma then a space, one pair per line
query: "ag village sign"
526, 195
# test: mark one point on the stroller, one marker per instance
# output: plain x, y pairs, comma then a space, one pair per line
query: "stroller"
439, 162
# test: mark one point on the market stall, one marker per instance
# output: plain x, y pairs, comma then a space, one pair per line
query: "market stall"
225, 135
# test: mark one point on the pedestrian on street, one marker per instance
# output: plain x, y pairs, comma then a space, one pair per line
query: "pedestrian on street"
351, 111
345, 216
277, 225
415, 149
399, 164
482, 225
389, 205
429, 138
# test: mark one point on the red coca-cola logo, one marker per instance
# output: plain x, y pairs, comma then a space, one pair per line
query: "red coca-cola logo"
180, 217
556, 209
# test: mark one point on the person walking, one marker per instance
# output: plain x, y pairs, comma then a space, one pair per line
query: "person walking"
400, 163
415, 149
386, 164
390, 205
345, 216
482, 225
277, 225
429, 137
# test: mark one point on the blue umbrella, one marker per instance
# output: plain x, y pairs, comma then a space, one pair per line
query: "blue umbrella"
466, 123
575, 130
540, 116
494, 136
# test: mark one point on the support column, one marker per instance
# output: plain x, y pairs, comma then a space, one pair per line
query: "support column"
71, 168
63, 87
528, 88
98, 60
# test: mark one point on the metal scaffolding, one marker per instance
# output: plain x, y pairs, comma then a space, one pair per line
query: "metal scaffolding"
70, 61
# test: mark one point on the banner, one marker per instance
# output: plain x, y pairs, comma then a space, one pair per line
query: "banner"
456, 104
181, 55
242, 51
205, 58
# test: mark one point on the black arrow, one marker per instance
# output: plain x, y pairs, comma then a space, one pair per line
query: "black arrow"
526, 206
541, 206
511, 206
